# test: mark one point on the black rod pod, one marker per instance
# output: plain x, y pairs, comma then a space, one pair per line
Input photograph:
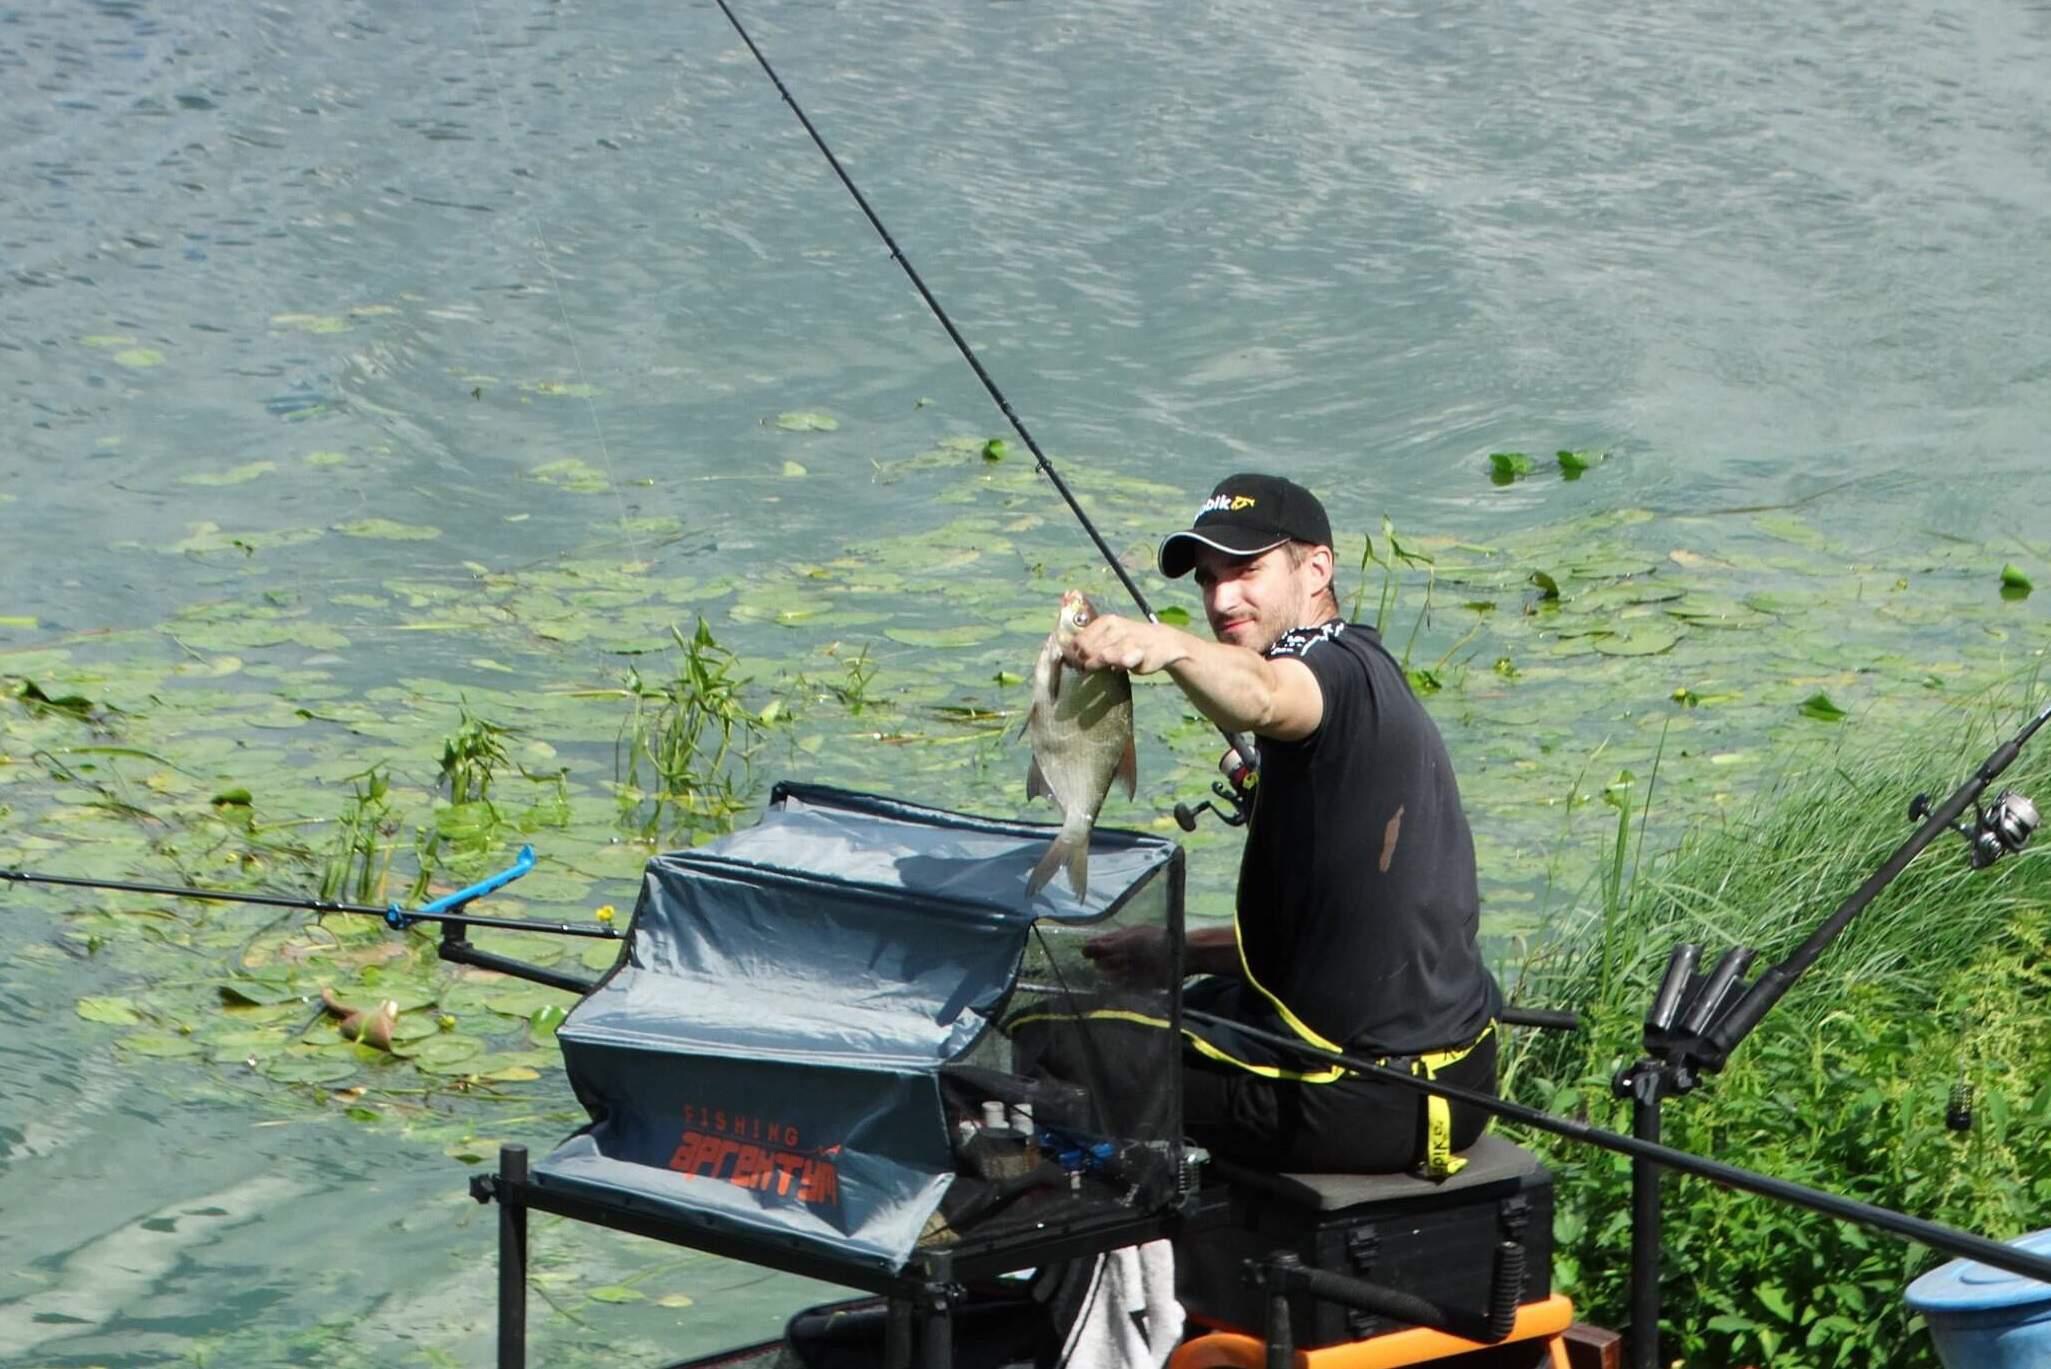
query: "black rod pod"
1240, 742
1718, 1012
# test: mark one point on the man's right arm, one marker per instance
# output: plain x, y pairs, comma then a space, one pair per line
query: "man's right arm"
1139, 954
1211, 950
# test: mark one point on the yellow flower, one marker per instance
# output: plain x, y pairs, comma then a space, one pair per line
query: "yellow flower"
606, 913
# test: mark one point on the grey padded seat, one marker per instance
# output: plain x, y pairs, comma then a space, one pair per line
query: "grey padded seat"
1491, 1160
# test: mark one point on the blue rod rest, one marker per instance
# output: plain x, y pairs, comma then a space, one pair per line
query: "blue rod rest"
401, 919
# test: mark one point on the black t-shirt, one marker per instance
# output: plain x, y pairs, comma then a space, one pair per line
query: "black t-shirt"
1358, 906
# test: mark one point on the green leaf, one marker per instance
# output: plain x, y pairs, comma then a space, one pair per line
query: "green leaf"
1174, 616
1731, 1321
617, 1292
996, 449
1572, 464
1819, 707
802, 421
1775, 1301
2013, 582
1008, 678
1504, 467
1548, 588
115, 1012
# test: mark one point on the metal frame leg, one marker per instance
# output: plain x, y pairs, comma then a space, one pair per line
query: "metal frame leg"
512, 1260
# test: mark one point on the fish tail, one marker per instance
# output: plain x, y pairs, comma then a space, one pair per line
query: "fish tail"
1070, 850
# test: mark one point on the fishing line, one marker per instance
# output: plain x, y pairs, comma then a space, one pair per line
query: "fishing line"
961, 344
1242, 745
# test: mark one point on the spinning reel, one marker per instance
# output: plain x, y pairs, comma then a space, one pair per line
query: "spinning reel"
1998, 831
1241, 768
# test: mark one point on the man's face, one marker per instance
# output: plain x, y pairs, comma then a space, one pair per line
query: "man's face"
1252, 600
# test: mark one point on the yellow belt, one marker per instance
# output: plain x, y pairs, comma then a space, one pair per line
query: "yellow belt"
1439, 1160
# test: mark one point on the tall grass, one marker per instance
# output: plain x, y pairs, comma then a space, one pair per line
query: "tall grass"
1946, 974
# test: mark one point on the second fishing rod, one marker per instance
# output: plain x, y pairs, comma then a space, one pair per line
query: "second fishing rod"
1242, 744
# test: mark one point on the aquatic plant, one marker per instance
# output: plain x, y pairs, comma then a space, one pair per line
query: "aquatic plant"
686, 753
360, 856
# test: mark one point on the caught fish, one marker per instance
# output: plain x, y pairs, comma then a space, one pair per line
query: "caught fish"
1080, 726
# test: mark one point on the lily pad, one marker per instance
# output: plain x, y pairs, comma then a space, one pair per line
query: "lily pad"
384, 529
969, 634
115, 1012
160, 1045
574, 474
308, 1069
2014, 584
238, 475
802, 421
311, 323
1640, 639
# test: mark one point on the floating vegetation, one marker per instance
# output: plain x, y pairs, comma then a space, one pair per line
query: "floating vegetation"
1505, 467
573, 474
238, 475
805, 422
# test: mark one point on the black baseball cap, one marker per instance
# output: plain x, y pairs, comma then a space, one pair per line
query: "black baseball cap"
1246, 515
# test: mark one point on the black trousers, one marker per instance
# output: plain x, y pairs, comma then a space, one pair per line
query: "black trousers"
1349, 1126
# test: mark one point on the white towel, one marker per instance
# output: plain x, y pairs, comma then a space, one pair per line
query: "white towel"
1130, 1319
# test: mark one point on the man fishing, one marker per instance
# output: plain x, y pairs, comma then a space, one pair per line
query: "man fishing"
1357, 908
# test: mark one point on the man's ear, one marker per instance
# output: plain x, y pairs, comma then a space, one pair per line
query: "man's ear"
1326, 562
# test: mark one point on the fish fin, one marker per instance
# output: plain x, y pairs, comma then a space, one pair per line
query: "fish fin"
1036, 783
1079, 867
1064, 850
1128, 768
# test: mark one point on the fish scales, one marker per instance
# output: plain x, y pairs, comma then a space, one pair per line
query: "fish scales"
1080, 727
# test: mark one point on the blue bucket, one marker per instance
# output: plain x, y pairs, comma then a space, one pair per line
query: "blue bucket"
1986, 1318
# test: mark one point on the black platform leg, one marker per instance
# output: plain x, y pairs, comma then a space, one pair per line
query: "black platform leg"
897, 1334
1645, 1223
1280, 1331
512, 1259
936, 1349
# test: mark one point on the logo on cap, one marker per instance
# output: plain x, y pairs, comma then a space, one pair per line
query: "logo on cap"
1226, 503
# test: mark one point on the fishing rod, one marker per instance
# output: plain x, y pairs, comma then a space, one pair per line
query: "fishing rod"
446, 912
1241, 743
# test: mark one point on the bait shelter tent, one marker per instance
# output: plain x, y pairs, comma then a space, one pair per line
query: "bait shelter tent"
843, 1043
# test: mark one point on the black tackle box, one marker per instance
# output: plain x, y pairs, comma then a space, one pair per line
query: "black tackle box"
1442, 1241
